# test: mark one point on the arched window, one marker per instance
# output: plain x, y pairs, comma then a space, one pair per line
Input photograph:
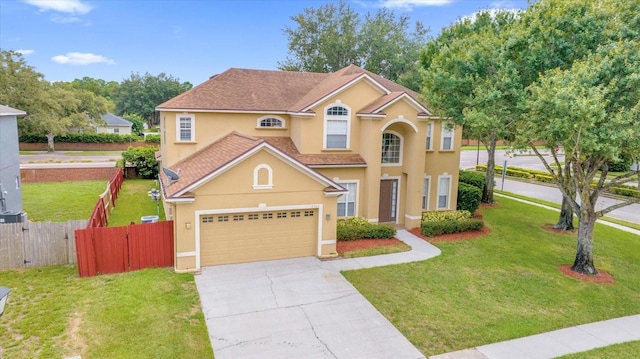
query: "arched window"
270, 122
336, 126
391, 148
262, 177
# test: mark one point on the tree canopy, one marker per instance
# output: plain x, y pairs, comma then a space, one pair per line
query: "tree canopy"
469, 79
333, 36
140, 94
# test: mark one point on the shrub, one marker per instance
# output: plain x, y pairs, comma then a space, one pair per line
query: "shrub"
544, 178
445, 216
625, 191
80, 138
431, 229
144, 159
357, 227
518, 173
469, 197
152, 138
472, 178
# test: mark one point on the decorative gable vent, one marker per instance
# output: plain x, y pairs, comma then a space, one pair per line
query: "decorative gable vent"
262, 177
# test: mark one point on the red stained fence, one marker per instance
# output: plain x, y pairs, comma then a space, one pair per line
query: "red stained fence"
100, 215
103, 250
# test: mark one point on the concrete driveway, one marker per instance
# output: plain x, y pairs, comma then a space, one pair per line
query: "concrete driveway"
300, 308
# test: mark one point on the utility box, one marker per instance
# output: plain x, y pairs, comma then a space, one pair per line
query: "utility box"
13, 217
149, 219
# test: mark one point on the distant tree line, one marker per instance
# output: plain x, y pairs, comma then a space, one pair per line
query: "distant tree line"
55, 108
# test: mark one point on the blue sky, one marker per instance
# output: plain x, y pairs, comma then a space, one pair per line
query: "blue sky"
188, 39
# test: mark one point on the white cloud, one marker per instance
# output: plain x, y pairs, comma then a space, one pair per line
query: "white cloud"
78, 58
492, 12
66, 6
25, 52
410, 4
502, 4
65, 19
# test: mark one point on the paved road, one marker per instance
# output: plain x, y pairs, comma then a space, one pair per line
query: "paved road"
468, 159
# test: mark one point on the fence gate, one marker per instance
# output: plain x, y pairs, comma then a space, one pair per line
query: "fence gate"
36, 244
120, 249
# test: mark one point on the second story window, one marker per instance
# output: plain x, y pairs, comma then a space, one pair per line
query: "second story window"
391, 148
447, 137
270, 122
336, 127
429, 136
185, 131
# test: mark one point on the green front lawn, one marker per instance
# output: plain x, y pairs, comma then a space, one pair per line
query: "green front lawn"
503, 285
151, 313
376, 250
61, 201
627, 350
134, 202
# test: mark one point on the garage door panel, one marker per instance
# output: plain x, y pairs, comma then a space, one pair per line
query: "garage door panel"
247, 237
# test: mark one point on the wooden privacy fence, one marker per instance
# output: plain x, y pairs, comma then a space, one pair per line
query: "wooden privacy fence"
36, 244
106, 202
103, 250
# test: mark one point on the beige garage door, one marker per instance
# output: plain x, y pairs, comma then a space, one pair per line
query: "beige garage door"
257, 236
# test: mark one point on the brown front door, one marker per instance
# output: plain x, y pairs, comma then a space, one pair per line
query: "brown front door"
388, 200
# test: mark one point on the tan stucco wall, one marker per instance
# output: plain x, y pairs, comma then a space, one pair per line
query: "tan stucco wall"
234, 189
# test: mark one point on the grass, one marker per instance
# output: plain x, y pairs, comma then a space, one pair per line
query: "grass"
374, 251
557, 205
133, 202
52, 313
504, 285
61, 201
628, 350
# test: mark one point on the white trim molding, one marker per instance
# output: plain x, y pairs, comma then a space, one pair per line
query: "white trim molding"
327, 118
283, 123
192, 121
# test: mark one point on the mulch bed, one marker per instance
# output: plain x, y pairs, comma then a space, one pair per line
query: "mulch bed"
357, 244
453, 237
601, 278
549, 228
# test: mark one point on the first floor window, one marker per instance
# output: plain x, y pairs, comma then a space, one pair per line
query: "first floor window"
116, 130
444, 184
425, 193
347, 202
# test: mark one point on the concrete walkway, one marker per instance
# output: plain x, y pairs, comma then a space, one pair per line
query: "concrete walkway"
558, 342
301, 308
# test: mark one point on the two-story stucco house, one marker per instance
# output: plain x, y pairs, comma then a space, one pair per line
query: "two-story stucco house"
10, 191
267, 161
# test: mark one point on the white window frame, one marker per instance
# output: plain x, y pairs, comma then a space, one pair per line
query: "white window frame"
346, 118
355, 198
426, 191
444, 131
399, 163
448, 194
429, 138
192, 118
116, 130
282, 122
256, 170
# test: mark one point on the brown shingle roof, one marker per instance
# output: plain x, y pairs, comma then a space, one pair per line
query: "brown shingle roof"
273, 91
227, 149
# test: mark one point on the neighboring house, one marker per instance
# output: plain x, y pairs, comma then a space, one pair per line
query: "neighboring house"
114, 124
269, 160
10, 192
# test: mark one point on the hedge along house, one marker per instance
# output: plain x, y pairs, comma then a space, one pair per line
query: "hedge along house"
267, 161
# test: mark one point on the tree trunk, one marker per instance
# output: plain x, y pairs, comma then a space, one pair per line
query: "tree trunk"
584, 252
489, 183
50, 137
565, 221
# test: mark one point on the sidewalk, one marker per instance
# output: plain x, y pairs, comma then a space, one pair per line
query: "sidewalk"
558, 342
